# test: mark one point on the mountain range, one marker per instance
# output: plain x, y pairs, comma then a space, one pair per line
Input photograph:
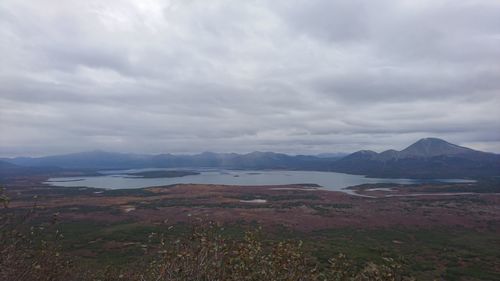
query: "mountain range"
427, 158
110, 160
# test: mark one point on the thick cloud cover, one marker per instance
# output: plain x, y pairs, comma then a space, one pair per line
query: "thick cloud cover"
295, 76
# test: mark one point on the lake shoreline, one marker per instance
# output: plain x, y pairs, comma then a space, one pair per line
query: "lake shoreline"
144, 178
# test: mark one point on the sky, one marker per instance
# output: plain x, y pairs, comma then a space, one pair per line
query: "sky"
292, 76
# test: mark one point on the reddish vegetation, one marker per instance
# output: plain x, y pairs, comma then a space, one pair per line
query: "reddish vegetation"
292, 206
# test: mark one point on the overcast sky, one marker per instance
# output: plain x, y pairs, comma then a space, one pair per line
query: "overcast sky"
294, 76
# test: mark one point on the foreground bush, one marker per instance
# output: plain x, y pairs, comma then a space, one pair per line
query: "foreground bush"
208, 256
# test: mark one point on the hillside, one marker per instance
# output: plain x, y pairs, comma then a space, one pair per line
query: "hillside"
426, 158
108, 160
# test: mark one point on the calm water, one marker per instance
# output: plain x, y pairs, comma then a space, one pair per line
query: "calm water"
328, 180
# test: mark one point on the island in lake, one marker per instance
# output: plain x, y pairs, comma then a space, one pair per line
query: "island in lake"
163, 174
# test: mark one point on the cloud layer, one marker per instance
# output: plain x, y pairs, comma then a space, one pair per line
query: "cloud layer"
300, 76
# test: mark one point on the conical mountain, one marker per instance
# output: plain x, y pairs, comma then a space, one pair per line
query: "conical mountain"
426, 158
430, 147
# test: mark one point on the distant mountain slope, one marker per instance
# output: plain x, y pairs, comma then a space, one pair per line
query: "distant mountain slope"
9, 171
253, 160
332, 155
87, 160
430, 147
107, 160
427, 158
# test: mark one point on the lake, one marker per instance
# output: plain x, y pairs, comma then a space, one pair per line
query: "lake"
327, 180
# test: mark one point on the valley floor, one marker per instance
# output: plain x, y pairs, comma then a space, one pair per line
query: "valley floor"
440, 231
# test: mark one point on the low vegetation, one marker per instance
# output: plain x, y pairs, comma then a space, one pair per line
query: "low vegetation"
158, 234
33, 251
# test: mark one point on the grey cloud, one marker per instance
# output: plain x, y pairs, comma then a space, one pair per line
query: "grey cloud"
405, 85
339, 21
287, 76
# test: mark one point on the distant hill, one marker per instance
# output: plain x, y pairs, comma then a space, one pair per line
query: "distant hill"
10, 171
332, 155
427, 158
253, 160
108, 160
86, 160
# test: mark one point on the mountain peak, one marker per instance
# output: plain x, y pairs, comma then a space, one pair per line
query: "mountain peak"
432, 140
426, 158
366, 152
362, 154
430, 147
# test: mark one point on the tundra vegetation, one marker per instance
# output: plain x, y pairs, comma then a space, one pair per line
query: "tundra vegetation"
216, 232
33, 251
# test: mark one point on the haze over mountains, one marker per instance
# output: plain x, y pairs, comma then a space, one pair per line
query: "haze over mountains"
427, 158
109, 160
